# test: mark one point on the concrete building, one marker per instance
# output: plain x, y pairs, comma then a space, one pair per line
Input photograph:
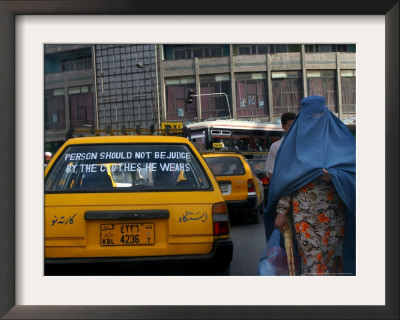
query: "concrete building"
100, 85
69, 91
260, 82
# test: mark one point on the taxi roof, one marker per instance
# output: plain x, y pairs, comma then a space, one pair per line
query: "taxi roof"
127, 139
222, 153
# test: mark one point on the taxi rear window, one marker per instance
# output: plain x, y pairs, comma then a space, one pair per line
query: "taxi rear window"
225, 166
116, 167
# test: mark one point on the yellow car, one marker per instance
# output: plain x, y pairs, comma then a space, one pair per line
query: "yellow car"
240, 186
134, 205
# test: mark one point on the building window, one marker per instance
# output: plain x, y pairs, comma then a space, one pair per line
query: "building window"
323, 83
251, 95
348, 84
76, 63
81, 106
54, 109
330, 48
196, 51
287, 92
260, 49
176, 92
213, 104
278, 48
244, 49
179, 54
216, 51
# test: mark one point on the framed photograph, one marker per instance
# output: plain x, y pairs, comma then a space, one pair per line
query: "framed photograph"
26, 294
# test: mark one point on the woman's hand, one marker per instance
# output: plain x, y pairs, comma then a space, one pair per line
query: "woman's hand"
326, 176
281, 222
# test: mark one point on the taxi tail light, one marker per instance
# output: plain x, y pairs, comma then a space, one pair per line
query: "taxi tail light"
251, 187
220, 219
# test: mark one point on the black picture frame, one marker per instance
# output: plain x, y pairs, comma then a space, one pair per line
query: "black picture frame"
8, 11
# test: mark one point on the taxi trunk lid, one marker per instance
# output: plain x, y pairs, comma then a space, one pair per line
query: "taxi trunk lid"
110, 225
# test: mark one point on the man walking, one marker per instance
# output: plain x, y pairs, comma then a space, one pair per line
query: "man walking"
286, 121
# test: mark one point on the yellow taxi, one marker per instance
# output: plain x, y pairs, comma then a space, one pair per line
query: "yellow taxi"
134, 205
239, 184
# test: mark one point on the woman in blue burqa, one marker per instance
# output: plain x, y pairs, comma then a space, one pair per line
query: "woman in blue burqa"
313, 190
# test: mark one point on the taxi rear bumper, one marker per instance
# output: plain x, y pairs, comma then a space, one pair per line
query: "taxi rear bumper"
242, 206
214, 263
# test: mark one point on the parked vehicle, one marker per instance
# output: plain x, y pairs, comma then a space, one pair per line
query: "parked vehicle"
239, 184
134, 205
258, 165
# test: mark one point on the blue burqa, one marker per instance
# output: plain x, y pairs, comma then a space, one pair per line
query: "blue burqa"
317, 139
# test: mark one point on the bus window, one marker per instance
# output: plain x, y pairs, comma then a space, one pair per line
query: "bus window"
226, 142
273, 136
198, 138
241, 140
259, 143
223, 137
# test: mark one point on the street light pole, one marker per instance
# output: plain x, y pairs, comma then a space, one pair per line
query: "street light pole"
140, 66
190, 94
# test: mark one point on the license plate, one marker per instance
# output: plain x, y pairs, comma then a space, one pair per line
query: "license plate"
224, 187
126, 234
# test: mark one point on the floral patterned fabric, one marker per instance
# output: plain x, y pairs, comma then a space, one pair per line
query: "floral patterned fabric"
319, 220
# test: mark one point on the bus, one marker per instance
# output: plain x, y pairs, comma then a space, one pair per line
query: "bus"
251, 138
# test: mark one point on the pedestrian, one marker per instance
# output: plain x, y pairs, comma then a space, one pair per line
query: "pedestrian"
313, 186
286, 121
47, 158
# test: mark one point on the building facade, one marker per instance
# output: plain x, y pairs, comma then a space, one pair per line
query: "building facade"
100, 85
69, 98
255, 81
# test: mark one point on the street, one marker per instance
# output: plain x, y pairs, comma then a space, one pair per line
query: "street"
248, 245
